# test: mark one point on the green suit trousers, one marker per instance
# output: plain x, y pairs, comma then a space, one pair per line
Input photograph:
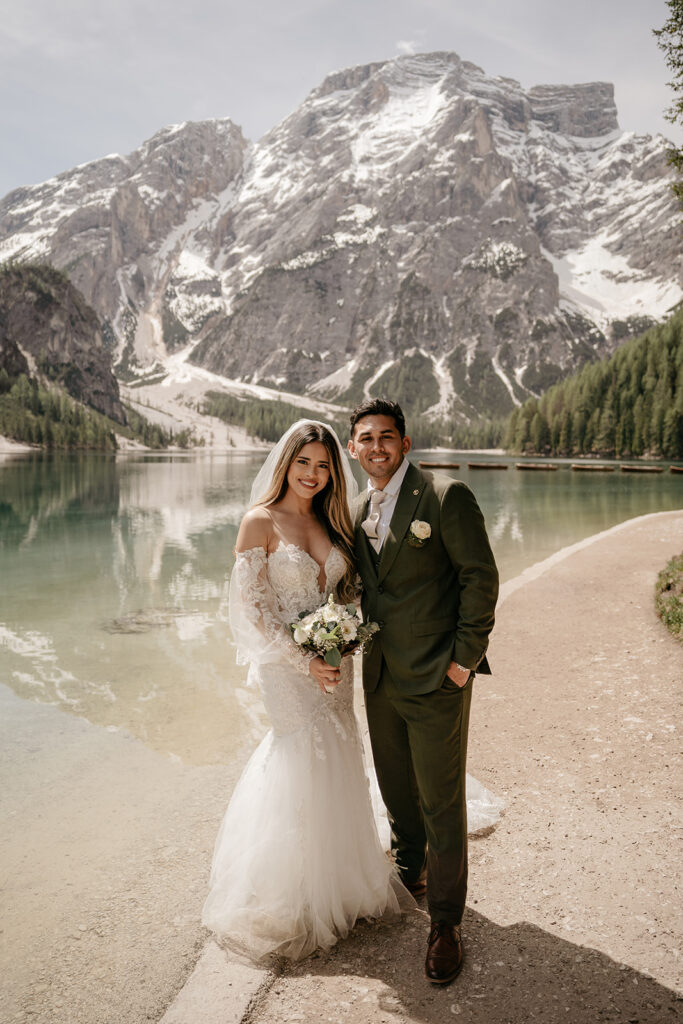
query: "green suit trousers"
419, 745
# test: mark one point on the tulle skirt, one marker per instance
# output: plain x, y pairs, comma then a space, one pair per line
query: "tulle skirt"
484, 809
298, 858
301, 853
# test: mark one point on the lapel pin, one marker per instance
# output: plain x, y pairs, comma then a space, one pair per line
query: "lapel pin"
417, 491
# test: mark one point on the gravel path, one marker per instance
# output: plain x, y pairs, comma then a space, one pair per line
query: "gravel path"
574, 902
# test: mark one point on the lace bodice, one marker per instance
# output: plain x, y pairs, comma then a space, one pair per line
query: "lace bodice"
268, 591
294, 576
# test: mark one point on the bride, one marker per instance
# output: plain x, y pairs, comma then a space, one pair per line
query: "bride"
298, 859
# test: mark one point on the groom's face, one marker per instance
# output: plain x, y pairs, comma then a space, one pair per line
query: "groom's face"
379, 447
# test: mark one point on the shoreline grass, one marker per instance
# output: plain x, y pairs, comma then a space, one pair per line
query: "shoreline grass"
669, 596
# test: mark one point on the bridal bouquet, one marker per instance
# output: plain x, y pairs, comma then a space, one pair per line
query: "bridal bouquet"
332, 631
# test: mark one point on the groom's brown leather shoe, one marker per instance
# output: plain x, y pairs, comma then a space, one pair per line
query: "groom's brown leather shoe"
444, 953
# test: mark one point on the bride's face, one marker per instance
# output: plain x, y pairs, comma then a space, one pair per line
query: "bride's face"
309, 471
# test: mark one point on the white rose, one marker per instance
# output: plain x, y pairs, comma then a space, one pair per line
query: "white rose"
300, 635
349, 630
420, 529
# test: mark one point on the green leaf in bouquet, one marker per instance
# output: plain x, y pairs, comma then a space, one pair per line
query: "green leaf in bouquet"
351, 609
333, 657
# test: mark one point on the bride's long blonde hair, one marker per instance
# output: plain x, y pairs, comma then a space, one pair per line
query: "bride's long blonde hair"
330, 505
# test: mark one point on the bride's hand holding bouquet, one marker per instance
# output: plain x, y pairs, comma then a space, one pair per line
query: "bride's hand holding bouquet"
332, 631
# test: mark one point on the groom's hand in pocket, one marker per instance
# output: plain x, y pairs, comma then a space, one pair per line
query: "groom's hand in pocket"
458, 675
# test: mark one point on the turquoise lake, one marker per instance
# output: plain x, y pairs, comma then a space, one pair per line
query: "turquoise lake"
112, 574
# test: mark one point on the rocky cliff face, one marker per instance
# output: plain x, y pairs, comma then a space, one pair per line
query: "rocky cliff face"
118, 226
12, 359
47, 327
415, 227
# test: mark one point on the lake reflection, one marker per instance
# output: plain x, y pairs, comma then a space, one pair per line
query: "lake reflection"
112, 576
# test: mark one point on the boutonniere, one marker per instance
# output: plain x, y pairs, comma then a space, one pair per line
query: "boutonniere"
419, 533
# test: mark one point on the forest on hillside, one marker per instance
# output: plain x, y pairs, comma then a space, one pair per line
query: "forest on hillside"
47, 416
628, 405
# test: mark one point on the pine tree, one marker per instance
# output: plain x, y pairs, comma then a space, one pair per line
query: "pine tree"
539, 434
565, 442
510, 429
670, 41
606, 431
639, 427
521, 434
48, 432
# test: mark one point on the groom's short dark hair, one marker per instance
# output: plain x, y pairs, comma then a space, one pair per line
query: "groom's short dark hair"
379, 407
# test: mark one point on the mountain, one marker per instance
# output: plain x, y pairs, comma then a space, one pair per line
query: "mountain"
415, 227
47, 327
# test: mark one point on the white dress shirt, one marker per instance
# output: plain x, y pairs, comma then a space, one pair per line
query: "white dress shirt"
386, 509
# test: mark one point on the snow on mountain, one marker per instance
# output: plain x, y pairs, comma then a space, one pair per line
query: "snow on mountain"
415, 226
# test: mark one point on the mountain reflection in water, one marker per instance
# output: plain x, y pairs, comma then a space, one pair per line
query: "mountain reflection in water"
113, 578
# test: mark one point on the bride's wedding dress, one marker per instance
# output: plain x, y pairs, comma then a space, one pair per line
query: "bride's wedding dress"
298, 859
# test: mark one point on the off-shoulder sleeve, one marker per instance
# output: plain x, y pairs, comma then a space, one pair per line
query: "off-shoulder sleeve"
260, 634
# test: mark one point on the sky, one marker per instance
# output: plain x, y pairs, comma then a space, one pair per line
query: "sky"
80, 79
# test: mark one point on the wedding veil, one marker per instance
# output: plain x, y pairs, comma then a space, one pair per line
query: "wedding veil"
265, 474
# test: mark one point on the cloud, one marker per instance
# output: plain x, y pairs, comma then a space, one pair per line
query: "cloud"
406, 46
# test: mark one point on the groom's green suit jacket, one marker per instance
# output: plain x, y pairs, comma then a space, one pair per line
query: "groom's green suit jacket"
435, 604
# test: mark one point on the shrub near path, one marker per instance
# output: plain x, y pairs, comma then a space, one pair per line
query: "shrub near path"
669, 596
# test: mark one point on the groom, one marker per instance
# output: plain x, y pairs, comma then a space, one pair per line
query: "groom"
431, 583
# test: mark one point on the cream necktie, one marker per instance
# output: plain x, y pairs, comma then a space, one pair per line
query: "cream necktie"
371, 522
